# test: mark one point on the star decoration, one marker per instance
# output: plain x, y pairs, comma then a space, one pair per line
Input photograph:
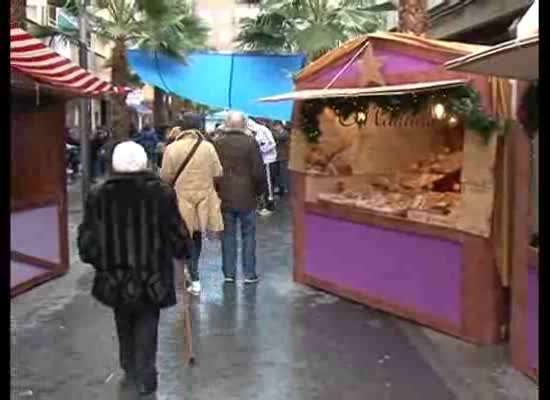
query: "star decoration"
371, 67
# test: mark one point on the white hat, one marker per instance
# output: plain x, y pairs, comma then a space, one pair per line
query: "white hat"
129, 157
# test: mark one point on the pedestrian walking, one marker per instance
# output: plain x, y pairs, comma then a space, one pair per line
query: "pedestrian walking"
268, 149
149, 139
98, 139
282, 138
131, 232
243, 181
72, 151
190, 164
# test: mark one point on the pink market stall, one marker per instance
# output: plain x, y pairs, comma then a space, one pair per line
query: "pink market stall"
41, 82
519, 59
394, 183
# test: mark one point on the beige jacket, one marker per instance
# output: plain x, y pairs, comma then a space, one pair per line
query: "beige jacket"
198, 201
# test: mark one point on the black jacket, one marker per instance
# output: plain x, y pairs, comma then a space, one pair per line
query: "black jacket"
244, 177
132, 230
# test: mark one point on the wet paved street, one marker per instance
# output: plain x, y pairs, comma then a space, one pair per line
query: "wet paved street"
276, 340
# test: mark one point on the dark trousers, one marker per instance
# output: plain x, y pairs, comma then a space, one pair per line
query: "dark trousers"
137, 338
266, 201
195, 255
280, 176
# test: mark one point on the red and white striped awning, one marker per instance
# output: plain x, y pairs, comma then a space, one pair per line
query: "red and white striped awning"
33, 58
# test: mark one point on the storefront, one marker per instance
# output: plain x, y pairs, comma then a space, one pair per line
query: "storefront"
393, 161
519, 60
41, 83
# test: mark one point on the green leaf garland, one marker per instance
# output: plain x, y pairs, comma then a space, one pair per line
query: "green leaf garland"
464, 102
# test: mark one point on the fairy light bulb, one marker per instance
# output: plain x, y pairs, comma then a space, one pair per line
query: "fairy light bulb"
361, 117
438, 111
453, 121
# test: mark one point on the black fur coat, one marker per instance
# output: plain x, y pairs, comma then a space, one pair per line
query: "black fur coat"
131, 232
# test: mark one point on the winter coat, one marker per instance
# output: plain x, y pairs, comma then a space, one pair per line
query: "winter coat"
149, 140
265, 140
131, 232
198, 201
244, 177
282, 139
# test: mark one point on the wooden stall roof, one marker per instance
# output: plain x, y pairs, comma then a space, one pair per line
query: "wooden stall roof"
515, 59
31, 57
349, 47
388, 90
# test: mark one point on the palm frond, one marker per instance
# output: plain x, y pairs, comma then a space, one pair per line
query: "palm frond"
67, 35
310, 26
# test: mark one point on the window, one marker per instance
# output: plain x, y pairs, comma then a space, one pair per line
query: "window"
249, 2
435, 3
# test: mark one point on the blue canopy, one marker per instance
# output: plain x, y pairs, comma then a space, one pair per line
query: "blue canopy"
226, 80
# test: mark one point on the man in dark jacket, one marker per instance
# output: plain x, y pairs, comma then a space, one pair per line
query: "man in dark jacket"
149, 139
97, 142
243, 181
131, 232
282, 138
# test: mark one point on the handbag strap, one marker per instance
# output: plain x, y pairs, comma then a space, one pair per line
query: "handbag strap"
187, 159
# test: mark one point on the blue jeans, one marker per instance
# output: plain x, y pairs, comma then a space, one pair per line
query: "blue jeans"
229, 242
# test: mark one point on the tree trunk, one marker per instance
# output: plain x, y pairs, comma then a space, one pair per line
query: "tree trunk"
413, 17
18, 12
160, 112
119, 77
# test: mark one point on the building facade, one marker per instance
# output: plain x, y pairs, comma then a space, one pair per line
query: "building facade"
473, 21
42, 13
223, 17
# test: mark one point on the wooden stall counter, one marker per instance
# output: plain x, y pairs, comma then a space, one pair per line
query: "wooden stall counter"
436, 276
365, 217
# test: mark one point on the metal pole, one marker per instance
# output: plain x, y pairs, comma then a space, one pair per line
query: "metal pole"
84, 107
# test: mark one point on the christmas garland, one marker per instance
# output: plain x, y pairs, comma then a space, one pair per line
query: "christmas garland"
528, 113
461, 102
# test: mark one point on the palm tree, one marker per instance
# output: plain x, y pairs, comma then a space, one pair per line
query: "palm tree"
176, 33
413, 17
309, 26
164, 26
18, 10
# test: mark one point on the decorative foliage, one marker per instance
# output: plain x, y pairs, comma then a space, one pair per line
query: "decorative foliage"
311, 27
162, 26
462, 103
528, 112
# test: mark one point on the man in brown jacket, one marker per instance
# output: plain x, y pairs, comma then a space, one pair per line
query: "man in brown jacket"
242, 183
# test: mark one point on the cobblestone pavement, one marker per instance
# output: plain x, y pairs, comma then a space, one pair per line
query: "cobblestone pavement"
276, 340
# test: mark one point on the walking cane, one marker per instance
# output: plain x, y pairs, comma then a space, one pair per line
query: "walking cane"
188, 333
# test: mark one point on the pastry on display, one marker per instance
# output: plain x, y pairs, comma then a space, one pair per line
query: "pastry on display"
428, 191
447, 164
437, 202
422, 181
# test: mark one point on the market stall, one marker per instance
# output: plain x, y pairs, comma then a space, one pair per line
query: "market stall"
41, 82
519, 59
393, 162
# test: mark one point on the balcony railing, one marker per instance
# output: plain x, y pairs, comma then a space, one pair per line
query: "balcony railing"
431, 4
249, 2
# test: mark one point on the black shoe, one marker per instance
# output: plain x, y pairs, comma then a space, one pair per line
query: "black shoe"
127, 380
